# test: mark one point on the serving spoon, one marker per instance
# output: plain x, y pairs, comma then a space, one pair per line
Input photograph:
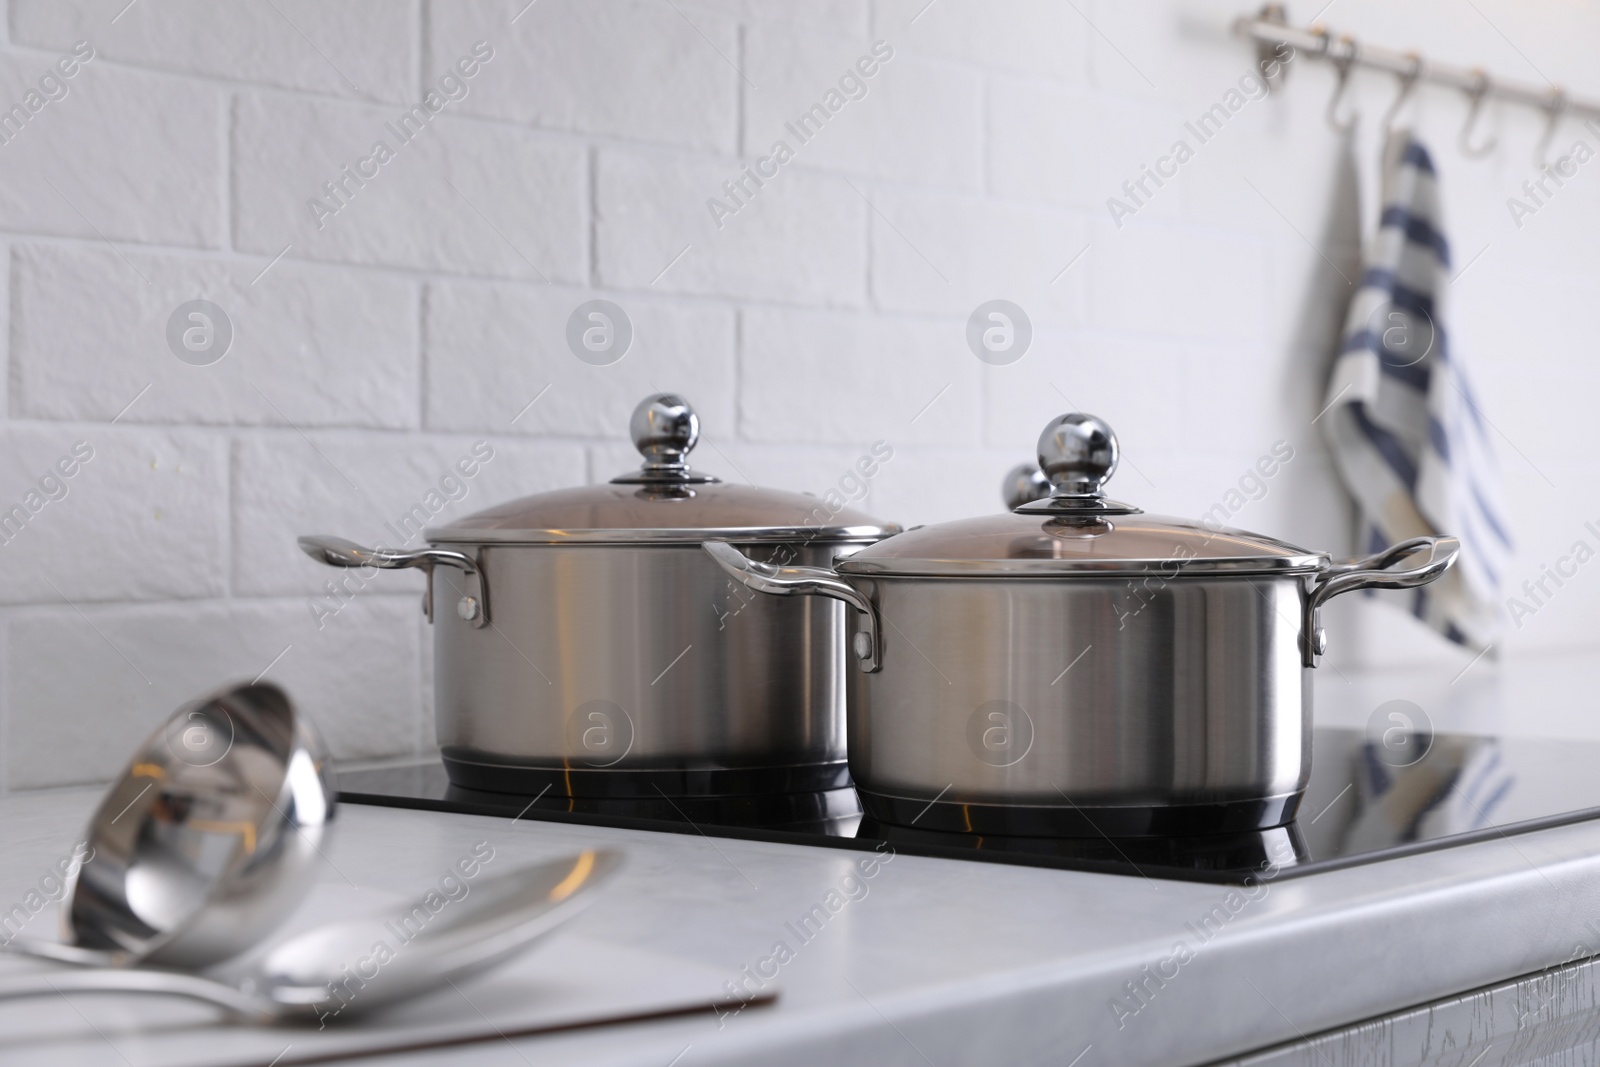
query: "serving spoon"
340, 968
206, 842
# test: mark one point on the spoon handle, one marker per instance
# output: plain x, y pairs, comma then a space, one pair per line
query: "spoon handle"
235, 1003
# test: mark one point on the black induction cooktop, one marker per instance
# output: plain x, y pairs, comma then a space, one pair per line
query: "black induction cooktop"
1371, 798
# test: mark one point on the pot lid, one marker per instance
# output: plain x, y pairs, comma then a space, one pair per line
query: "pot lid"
663, 501
1062, 523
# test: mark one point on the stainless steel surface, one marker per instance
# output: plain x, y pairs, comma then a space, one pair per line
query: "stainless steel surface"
59, 952
1374, 572
1078, 454
1318, 42
685, 516
308, 976
240, 1005
662, 502
1081, 691
664, 429
1026, 545
1076, 530
788, 581
338, 552
1056, 661
208, 840
1084, 692
612, 657
1023, 484
616, 646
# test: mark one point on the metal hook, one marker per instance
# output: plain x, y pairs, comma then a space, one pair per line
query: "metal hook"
1479, 90
1555, 105
1269, 57
1342, 63
1408, 82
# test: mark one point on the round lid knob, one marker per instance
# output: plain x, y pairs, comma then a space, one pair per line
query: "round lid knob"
664, 429
1023, 484
1078, 454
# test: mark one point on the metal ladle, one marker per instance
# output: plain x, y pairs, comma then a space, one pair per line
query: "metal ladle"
339, 967
205, 844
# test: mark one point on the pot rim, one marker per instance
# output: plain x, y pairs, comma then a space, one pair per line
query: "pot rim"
1171, 569
662, 535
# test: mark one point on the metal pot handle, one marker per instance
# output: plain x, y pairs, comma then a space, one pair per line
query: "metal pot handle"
804, 581
1373, 572
338, 552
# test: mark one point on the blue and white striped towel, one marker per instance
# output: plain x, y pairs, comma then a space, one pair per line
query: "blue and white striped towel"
1407, 433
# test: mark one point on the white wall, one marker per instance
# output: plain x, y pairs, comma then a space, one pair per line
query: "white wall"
426, 315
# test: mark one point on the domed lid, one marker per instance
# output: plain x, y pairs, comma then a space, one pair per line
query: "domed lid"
663, 501
1075, 529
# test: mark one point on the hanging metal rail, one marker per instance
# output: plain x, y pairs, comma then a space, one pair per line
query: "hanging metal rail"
1270, 29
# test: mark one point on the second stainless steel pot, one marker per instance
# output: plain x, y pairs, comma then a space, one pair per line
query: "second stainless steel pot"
584, 645
1078, 667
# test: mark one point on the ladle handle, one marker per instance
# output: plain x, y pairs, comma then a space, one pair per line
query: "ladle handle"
55, 950
235, 1003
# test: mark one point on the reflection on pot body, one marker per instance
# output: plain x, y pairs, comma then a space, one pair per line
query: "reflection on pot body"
581, 671
1199, 698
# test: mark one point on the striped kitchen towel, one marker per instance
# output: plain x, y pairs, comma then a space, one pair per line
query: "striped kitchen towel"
1407, 432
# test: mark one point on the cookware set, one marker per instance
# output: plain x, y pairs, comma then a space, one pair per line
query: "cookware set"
1073, 666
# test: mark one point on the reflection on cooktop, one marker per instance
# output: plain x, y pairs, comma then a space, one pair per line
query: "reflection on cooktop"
1370, 798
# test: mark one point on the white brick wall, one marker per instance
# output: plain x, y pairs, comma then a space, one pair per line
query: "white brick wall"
365, 48
313, 346
373, 346
472, 327
918, 121
362, 487
1075, 147
821, 376
799, 240
1035, 36
357, 677
621, 68
459, 196
969, 249
144, 518
125, 155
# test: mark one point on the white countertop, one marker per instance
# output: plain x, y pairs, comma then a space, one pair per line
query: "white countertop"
982, 963
949, 962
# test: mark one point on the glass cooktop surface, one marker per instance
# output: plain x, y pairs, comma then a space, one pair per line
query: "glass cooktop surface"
1370, 799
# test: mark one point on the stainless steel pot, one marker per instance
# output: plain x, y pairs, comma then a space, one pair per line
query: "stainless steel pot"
1079, 667
584, 645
